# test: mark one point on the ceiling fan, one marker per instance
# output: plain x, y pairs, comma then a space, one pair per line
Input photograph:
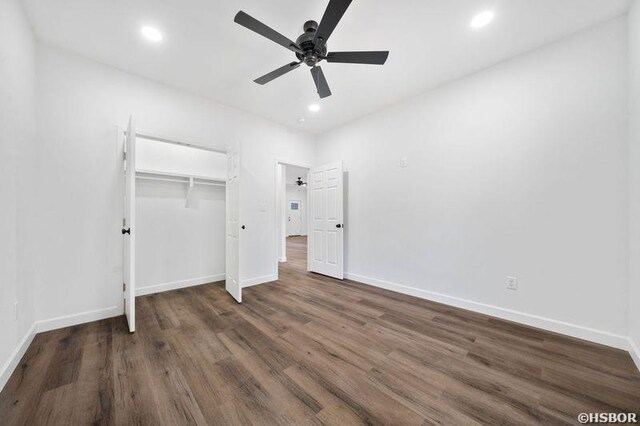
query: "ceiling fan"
299, 182
311, 47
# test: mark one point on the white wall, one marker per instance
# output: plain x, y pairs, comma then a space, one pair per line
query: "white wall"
17, 131
79, 213
295, 192
177, 245
180, 234
634, 177
518, 170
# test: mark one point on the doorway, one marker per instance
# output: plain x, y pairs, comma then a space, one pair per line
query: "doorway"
291, 214
310, 208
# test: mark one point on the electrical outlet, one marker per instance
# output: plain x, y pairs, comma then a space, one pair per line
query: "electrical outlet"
512, 283
15, 311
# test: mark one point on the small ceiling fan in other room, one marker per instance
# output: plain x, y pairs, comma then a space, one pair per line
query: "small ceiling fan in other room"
299, 182
311, 47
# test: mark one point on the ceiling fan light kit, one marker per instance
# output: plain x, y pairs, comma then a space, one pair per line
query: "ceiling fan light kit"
310, 47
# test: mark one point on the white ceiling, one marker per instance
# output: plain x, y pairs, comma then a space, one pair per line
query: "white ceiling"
205, 52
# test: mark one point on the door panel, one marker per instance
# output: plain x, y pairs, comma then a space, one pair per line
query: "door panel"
317, 204
326, 236
232, 280
332, 244
332, 208
129, 229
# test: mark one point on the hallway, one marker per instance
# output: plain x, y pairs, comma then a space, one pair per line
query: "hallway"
296, 255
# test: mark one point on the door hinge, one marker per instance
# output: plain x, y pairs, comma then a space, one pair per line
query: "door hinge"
124, 222
124, 287
124, 155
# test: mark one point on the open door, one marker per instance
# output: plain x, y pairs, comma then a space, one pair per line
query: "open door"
128, 226
232, 281
325, 240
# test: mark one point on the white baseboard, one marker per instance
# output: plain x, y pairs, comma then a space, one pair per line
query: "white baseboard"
282, 259
634, 350
16, 356
75, 319
258, 280
573, 330
157, 288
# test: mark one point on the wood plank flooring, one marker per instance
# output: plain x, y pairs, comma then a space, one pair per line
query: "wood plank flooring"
312, 350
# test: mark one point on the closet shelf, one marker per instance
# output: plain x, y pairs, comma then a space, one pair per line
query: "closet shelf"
178, 177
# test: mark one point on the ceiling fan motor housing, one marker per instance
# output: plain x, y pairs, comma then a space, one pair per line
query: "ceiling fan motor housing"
310, 56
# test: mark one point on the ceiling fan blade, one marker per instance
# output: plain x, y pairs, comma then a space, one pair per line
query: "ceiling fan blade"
321, 82
265, 31
277, 73
373, 58
330, 19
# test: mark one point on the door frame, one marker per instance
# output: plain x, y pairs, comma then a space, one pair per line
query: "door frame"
121, 132
280, 162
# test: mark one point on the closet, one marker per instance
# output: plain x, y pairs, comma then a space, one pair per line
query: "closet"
181, 216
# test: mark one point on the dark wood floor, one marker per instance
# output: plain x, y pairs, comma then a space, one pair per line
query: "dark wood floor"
312, 350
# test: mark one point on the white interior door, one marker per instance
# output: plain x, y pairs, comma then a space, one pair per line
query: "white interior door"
325, 237
294, 217
232, 281
128, 226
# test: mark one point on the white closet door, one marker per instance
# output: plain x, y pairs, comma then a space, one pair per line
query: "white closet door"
233, 229
325, 239
128, 226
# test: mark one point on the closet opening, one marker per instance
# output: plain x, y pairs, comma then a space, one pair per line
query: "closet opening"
181, 214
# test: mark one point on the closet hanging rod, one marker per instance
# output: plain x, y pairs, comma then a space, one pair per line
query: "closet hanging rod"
179, 177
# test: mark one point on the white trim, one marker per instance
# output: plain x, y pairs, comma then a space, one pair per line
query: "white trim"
282, 259
573, 330
259, 280
16, 356
80, 318
634, 351
294, 164
174, 285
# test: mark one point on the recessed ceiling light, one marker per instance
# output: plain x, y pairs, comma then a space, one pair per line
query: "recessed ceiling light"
482, 19
151, 34
314, 107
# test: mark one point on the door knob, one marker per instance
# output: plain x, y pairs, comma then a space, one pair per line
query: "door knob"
126, 231
338, 226
242, 227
